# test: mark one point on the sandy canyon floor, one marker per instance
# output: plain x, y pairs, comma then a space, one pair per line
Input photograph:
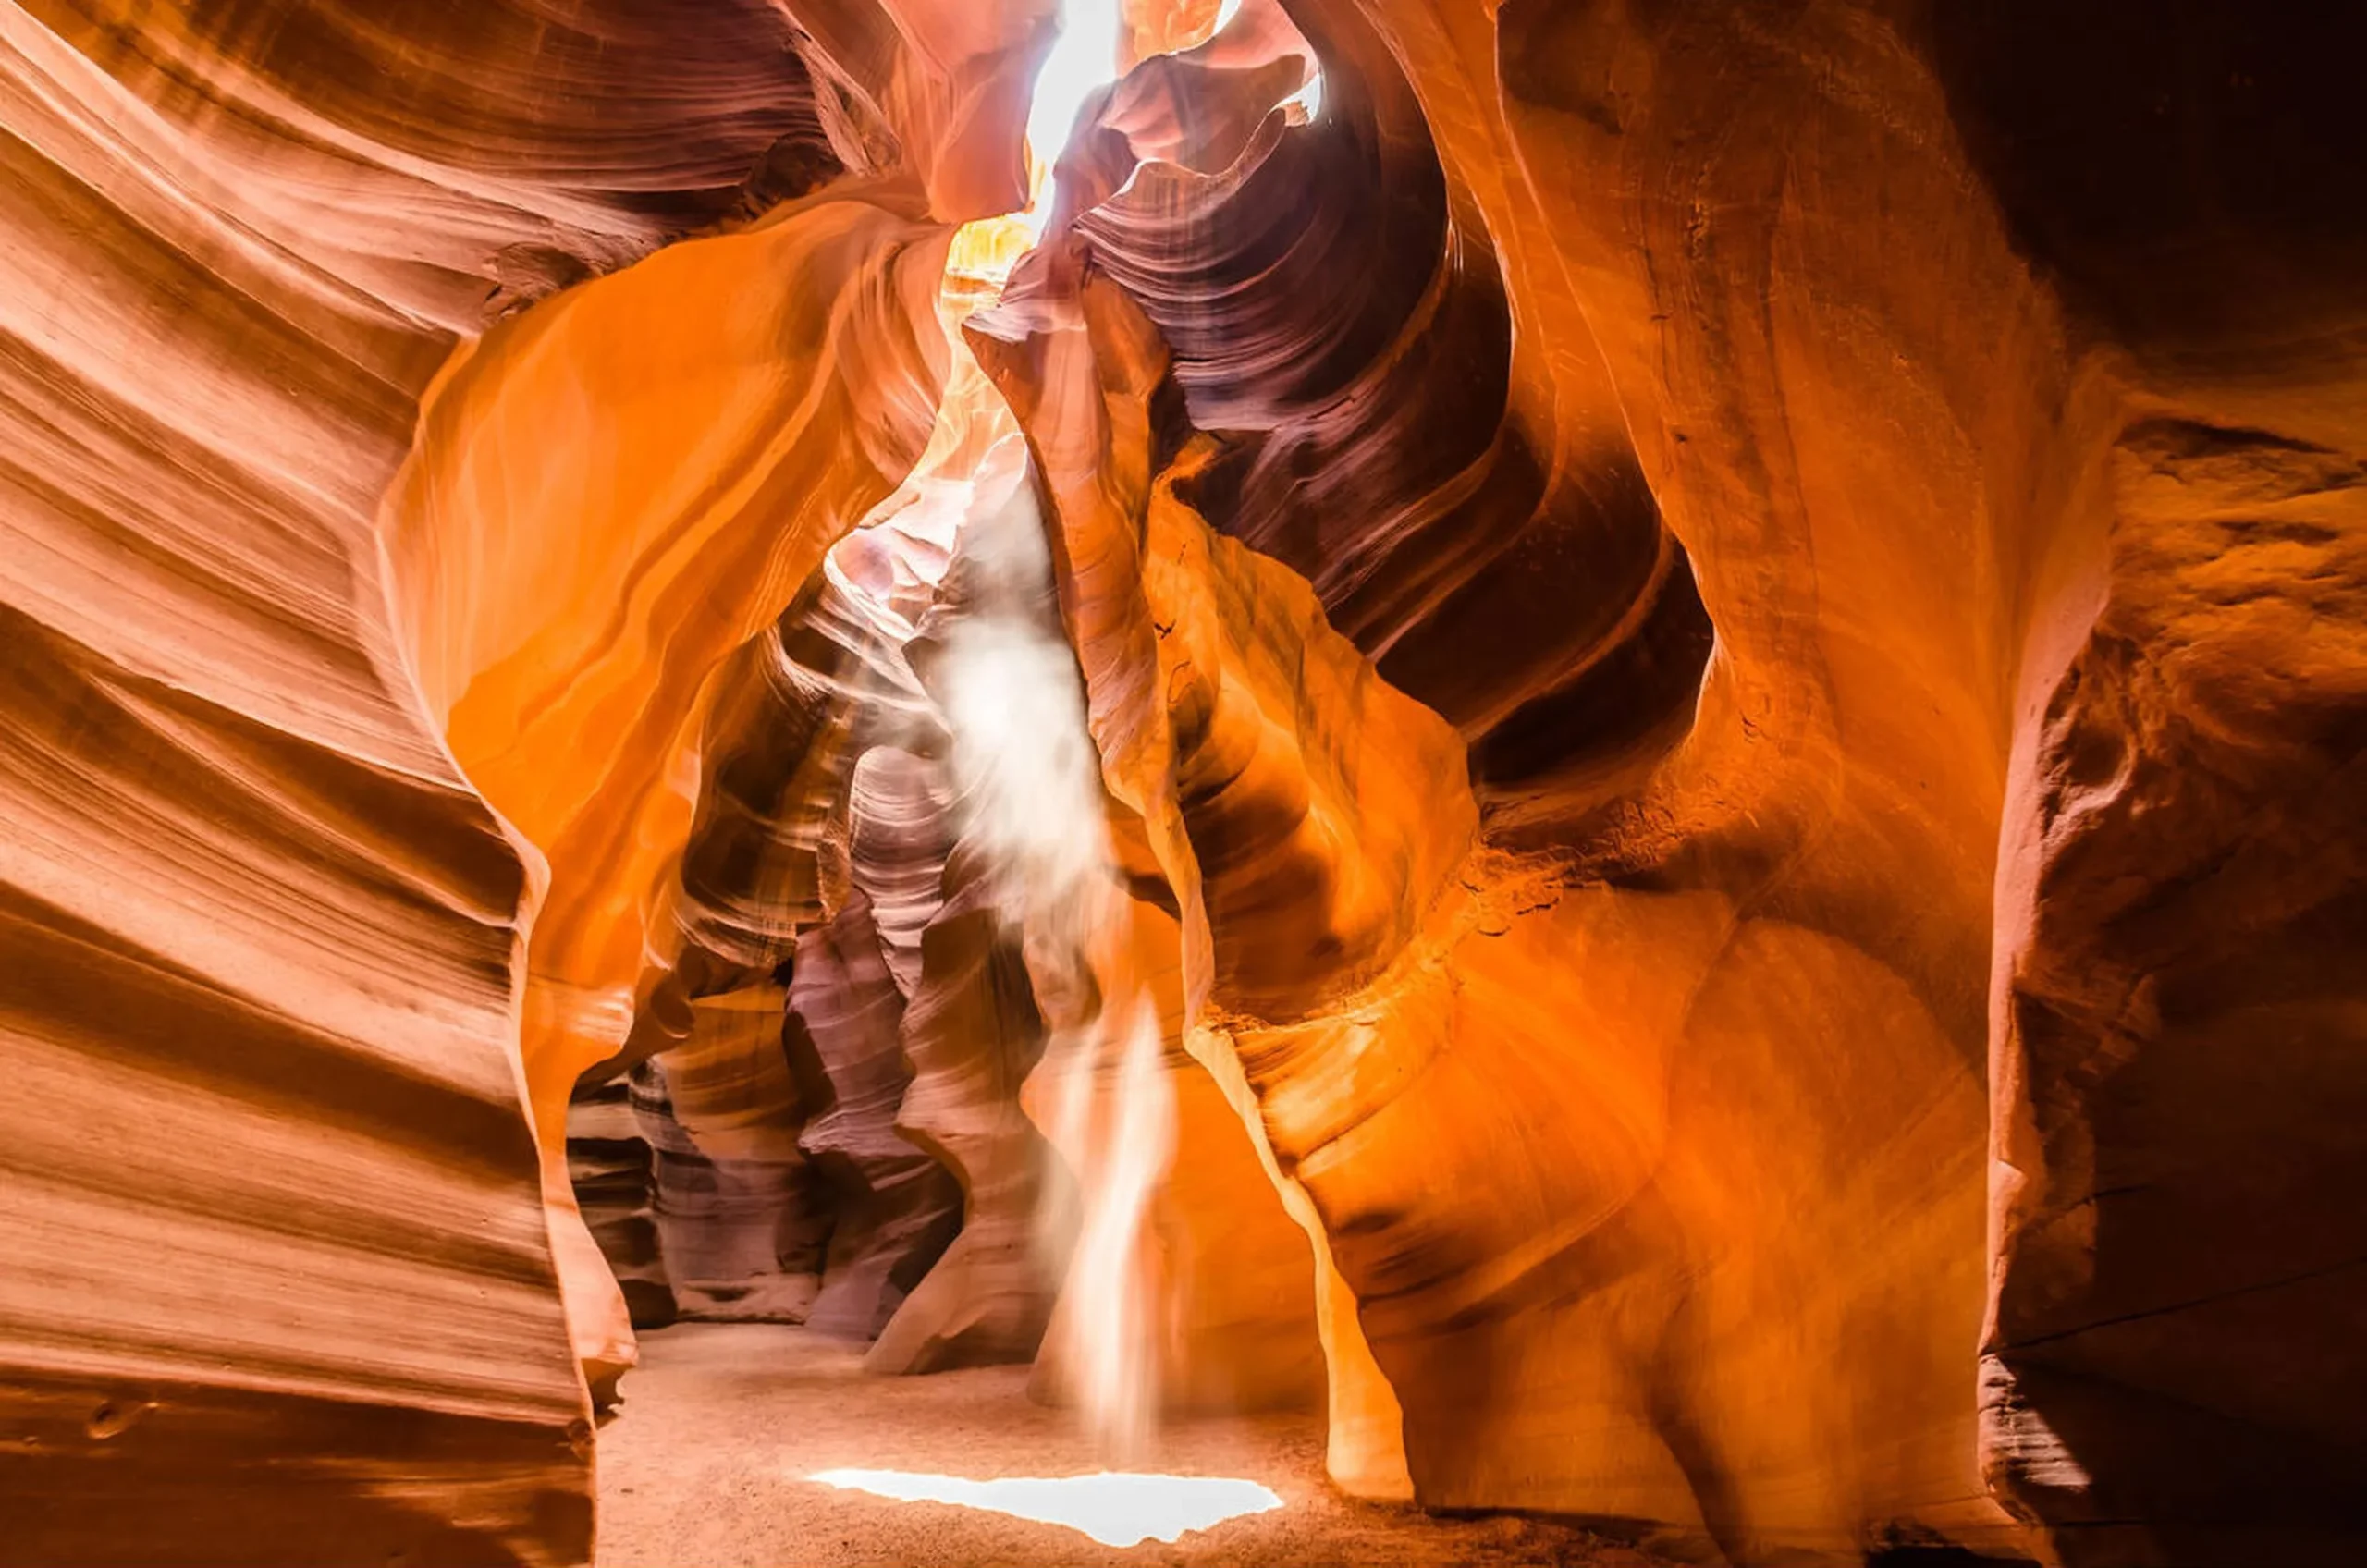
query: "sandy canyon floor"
707, 1467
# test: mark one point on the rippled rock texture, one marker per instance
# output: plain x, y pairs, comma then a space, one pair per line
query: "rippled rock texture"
1860, 1052
742, 1215
612, 1163
1707, 664
279, 1283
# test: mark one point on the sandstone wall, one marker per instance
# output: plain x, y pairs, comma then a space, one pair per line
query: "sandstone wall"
1722, 642
270, 1182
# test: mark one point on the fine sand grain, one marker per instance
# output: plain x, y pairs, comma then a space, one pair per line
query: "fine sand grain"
706, 1467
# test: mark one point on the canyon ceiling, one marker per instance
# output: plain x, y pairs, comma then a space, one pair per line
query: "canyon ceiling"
1642, 724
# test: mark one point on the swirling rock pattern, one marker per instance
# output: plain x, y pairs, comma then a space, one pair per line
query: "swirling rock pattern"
521, 650
1388, 436
940, 91
244, 881
1186, 710
1723, 639
897, 1209
971, 1034
240, 245
1803, 855
742, 1224
899, 837
1734, 289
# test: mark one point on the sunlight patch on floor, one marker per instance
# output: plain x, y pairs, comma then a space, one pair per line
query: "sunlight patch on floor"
1114, 1508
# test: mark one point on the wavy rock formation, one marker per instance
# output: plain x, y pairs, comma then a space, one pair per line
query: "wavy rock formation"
612, 1166
971, 1034
1189, 1292
1391, 439
801, 408
897, 1207
1630, 731
899, 836
244, 881
2171, 1366
2046, 454
742, 1214
937, 90
1668, 1334
1082, 370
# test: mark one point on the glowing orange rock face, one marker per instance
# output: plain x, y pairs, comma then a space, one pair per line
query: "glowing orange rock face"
1719, 651
1379, 998
1707, 886
753, 438
1186, 726
252, 919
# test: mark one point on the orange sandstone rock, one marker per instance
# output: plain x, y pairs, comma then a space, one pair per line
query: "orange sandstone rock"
255, 920
1722, 639
743, 452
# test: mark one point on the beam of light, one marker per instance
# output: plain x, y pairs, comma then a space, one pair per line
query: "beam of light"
1114, 1508
1031, 802
1109, 1109
1084, 57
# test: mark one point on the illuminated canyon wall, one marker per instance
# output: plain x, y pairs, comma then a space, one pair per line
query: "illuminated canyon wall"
278, 1277
1625, 738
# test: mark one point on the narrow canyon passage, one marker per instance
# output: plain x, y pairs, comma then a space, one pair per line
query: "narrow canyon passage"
1209, 781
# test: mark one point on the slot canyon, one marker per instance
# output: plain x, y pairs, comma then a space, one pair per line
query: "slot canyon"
971, 782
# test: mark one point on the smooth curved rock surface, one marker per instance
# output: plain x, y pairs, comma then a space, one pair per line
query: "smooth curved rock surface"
937, 90
971, 1034
1812, 863
245, 881
748, 447
1722, 680
1391, 438
743, 1223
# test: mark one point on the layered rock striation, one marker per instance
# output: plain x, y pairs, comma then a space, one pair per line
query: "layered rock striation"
1697, 668
258, 923
1806, 884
